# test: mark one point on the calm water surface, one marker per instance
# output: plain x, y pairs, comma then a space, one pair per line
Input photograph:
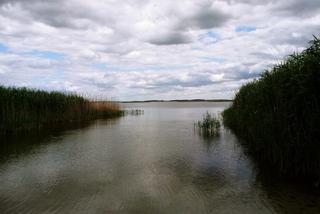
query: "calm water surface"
151, 163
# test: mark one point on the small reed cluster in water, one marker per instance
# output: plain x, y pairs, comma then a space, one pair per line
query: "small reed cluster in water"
134, 112
208, 125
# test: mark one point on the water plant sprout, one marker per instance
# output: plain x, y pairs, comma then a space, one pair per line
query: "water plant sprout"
208, 125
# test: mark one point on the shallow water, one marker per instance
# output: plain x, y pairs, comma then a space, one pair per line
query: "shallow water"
150, 163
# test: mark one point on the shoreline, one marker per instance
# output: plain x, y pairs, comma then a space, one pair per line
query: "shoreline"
168, 101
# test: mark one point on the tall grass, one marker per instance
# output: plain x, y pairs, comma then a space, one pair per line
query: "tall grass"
22, 108
278, 115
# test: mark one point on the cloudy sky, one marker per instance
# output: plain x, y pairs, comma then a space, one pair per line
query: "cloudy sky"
149, 49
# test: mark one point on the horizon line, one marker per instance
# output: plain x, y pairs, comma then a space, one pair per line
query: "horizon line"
178, 100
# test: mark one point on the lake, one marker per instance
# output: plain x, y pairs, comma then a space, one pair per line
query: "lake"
150, 163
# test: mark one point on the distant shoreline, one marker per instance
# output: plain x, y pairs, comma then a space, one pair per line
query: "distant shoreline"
192, 100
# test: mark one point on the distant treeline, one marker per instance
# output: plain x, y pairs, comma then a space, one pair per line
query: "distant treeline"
22, 109
278, 115
192, 100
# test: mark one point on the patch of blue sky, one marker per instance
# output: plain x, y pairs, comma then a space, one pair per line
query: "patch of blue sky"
3, 48
100, 66
46, 55
213, 35
212, 59
244, 28
209, 37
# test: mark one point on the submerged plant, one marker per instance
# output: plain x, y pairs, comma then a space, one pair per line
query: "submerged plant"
134, 112
208, 125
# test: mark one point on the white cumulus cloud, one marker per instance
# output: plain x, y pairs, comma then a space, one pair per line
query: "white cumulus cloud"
149, 49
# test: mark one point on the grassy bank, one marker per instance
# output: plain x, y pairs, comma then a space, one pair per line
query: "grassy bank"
278, 115
22, 109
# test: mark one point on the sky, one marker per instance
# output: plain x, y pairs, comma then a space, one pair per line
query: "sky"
149, 49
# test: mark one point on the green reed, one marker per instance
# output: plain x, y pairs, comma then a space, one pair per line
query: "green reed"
278, 115
208, 125
22, 108
135, 112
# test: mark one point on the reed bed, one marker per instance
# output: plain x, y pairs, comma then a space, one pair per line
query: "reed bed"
278, 115
22, 109
209, 125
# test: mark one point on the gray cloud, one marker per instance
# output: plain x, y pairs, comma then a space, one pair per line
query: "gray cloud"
252, 2
242, 75
59, 14
204, 18
299, 8
173, 38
